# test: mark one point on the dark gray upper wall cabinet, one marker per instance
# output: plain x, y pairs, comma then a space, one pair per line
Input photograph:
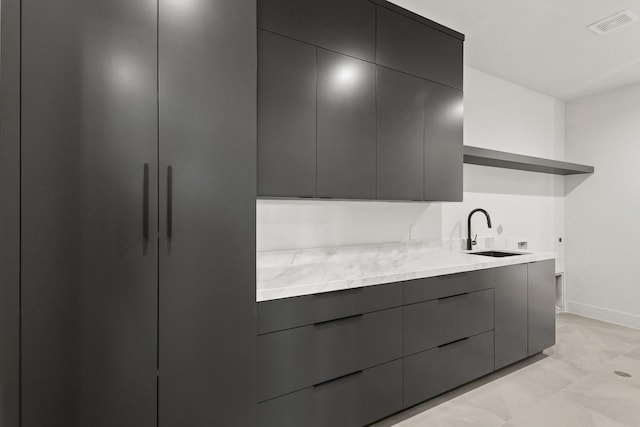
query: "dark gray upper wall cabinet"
411, 46
346, 135
207, 347
286, 117
342, 26
392, 136
400, 128
443, 157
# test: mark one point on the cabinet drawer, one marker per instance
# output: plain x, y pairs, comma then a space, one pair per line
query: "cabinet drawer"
296, 358
353, 400
309, 309
443, 286
433, 323
407, 45
435, 371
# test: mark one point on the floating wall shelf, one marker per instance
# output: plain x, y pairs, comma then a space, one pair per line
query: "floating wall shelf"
502, 159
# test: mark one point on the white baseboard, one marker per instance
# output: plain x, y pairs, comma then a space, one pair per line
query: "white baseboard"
606, 315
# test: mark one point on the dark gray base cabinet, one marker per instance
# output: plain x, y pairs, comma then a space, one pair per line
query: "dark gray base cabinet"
331, 359
525, 311
352, 357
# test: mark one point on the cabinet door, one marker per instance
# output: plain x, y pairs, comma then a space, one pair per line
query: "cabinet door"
207, 65
407, 45
286, 117
400, 149
443, 144
542, 305
342, 26
10, 214
346, 135
89, 271
510, 314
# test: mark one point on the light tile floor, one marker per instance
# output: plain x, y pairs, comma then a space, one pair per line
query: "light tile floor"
571, 384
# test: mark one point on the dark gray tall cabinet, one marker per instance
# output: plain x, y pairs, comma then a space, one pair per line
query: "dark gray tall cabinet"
207, 348
128, 280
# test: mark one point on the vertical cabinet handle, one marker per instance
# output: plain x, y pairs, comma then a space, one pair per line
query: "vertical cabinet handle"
169, 202
145, 206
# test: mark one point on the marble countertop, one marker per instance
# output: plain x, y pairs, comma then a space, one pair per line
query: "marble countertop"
283, 274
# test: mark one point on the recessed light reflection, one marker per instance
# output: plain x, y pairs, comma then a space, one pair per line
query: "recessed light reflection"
124, 72
345, 76
183, 9
457, 109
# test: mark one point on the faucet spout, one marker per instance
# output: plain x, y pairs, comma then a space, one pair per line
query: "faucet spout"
470, 242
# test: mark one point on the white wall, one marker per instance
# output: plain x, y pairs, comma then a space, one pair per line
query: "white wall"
528, 206
603, 210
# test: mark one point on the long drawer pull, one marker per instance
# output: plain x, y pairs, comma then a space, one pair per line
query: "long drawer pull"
452, 276
341, 292
453, 342
169, 202
324, 322
338, 379
454, 296
145, 206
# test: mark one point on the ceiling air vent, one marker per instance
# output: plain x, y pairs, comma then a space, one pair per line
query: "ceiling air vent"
614, 22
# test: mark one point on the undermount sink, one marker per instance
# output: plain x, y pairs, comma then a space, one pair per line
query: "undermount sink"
496, 254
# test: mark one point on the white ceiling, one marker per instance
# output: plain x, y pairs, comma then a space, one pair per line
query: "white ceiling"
543, 44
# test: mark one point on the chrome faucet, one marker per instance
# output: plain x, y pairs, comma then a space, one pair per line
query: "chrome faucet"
470, 242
